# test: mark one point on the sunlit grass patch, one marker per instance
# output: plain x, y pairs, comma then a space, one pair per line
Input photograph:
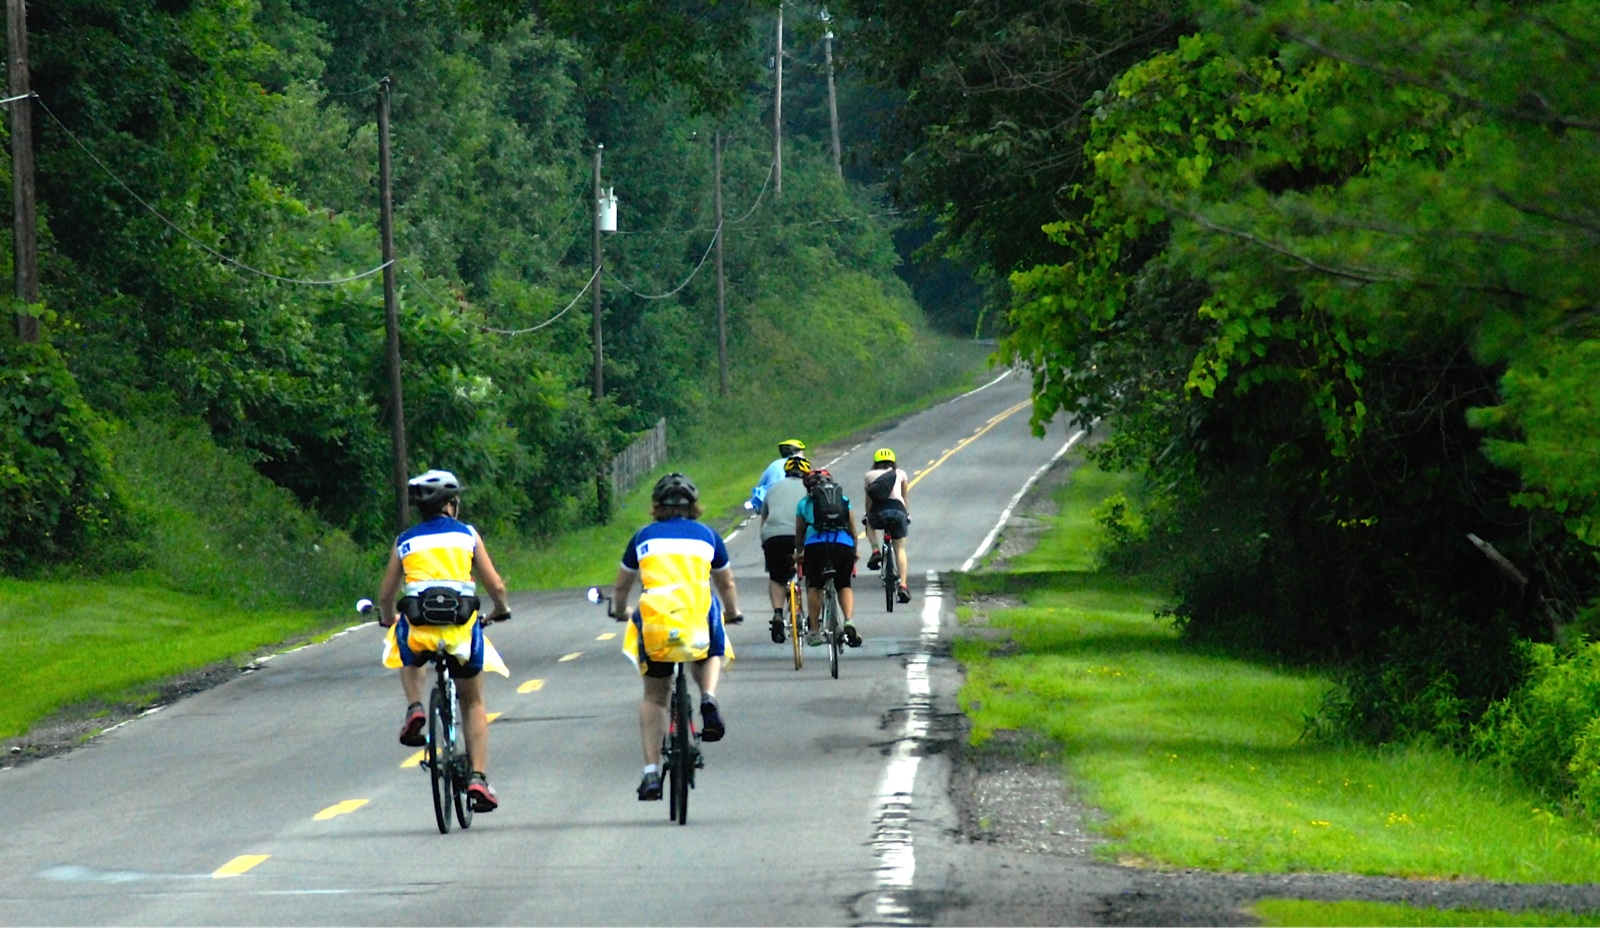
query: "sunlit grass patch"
1291, 912
77, 642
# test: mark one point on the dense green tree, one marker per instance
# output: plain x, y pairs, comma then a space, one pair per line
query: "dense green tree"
1316, 245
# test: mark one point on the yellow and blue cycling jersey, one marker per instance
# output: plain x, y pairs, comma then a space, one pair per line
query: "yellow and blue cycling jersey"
678, 618
439, 552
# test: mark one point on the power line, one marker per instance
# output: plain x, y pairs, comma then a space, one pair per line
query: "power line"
196, 242
488, 328
662, 296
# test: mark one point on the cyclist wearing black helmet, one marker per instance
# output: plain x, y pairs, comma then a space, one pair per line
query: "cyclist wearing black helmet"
678, 562
442, 553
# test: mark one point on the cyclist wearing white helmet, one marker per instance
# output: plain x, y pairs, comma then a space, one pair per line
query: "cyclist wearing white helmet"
439, 556
887, 488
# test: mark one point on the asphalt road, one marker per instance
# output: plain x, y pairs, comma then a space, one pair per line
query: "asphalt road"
282, 797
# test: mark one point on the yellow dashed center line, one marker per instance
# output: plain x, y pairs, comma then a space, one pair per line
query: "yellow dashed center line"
998, 418
532, 686
239, 865
343, 808
607, 636
572, 657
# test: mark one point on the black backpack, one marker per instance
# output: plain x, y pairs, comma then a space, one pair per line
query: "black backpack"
828, 507
882, 486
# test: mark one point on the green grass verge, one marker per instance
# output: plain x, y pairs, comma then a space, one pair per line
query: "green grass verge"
1287, 912
1196, 758
102, 642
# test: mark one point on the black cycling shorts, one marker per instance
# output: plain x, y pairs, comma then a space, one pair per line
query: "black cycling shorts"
823, 553
890, 520
779, 554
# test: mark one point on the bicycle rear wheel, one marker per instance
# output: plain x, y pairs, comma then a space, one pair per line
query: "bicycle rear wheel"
797, 623
460, 767
830, 609
439, 758
682, 759
888, 573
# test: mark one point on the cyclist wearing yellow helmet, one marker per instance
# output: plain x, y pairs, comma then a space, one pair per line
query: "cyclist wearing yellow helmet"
777, 534
787, 449
887, 488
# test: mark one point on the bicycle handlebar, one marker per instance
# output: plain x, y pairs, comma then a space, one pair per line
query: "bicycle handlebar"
366, 606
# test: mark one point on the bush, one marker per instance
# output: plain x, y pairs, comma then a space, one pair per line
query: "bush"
56, 502
1546, 731
211, 525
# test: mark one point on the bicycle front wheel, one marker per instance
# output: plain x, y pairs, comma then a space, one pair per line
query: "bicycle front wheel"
797, 623
439, 758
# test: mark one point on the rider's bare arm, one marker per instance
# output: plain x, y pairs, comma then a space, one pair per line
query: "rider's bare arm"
722, 579
489, 578
621, 589
388, 589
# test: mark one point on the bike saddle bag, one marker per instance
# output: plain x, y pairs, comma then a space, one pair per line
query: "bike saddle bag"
439, 605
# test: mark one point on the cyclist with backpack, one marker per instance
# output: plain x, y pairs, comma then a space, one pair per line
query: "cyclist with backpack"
777, 535
823, 536
679, 562
441, 553
886, 486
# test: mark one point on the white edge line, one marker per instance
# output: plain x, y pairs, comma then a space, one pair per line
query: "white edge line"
1006, 515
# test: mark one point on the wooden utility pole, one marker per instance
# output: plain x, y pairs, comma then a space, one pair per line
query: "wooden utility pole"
602, 477
833, 102
722, 305
777, 115
599, 386
25, 256
391, 312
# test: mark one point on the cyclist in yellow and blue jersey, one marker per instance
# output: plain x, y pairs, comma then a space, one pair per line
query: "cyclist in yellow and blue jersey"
441, 553
686, 587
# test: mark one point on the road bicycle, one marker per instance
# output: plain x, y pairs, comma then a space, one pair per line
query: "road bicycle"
444, 754
797, 618
832, 627
680, 746
888, 569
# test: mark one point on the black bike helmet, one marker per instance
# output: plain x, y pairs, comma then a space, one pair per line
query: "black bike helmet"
675, 490
430, 491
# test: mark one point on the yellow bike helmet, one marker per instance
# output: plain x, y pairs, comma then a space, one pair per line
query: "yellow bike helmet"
790, 447
799, 464
883, 456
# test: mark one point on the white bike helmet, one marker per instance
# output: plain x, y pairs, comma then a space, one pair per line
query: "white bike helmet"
430, 491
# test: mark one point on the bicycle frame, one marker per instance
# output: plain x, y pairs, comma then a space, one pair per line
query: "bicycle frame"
445, 755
